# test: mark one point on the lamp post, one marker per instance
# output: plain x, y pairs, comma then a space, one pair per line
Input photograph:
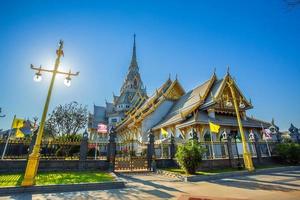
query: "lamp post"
246, 155
33, 159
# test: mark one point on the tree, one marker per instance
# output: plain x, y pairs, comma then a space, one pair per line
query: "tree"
66, 119
189, 156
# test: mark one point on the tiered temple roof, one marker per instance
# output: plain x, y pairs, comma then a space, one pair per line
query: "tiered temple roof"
199, 100
170, 90
175, 108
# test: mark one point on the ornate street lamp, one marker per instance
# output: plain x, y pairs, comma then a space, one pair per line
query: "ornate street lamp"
33, 159
246, 154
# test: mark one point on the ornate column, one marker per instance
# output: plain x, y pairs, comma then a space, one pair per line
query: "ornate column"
111, 150
150, 149
172, 147
84, 146
83, 150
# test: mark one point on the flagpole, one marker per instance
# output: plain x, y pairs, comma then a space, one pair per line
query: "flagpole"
96, 139
6, 143
211, 143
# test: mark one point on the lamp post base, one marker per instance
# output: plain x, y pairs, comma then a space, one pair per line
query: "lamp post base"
248, 162
31, 170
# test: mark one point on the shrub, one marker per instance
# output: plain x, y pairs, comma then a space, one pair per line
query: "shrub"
189, 156
289, 152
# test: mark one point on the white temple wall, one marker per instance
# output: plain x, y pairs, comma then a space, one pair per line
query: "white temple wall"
155, 117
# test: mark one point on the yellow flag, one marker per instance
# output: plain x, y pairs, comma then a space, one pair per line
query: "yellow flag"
214, 128
164, 132
19, 133
18, 123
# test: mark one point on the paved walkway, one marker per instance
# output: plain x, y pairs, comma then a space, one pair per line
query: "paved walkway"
283, 185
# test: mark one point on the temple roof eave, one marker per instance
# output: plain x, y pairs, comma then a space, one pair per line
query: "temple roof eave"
146, 105
195, 99
230, 121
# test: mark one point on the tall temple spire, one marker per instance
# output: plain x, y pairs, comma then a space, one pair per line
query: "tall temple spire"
133, 83
133, 63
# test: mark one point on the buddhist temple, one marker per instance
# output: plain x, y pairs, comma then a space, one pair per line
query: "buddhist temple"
182, 113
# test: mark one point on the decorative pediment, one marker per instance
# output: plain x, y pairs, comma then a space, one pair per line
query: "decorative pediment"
175, 91
224, 97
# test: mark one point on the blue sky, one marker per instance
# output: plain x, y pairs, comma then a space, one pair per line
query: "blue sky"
259, 39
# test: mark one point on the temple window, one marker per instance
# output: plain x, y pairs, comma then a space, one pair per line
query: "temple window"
207, 137
135, 83
114, 120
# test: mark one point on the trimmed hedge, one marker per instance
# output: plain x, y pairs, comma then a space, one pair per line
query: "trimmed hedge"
289, 152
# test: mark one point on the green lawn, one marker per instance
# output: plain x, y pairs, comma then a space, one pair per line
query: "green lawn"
49, 178
271, 166
217, 171
206, 172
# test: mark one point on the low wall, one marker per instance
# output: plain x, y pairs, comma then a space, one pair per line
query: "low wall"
5, 191
217, 163
165, 163
7, 166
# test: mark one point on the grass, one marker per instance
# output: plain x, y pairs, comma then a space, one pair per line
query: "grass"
206, 172
271, 166
218, 171
50, 178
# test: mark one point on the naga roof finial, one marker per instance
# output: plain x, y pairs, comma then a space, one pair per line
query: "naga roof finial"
228, 69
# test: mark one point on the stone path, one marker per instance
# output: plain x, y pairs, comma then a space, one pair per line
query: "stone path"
281, 185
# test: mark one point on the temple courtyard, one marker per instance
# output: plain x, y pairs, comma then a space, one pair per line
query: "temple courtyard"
280, 185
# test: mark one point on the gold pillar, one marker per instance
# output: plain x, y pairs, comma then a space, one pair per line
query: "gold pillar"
246, 154
33, 159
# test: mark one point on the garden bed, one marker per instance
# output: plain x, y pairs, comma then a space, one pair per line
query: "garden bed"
48, 182
54, 178
205, 173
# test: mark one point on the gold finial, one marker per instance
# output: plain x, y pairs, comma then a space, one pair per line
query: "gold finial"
59, 51
61, 44
228, 69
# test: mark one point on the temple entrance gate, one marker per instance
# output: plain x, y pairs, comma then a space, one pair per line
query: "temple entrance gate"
131, 164
131, 157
